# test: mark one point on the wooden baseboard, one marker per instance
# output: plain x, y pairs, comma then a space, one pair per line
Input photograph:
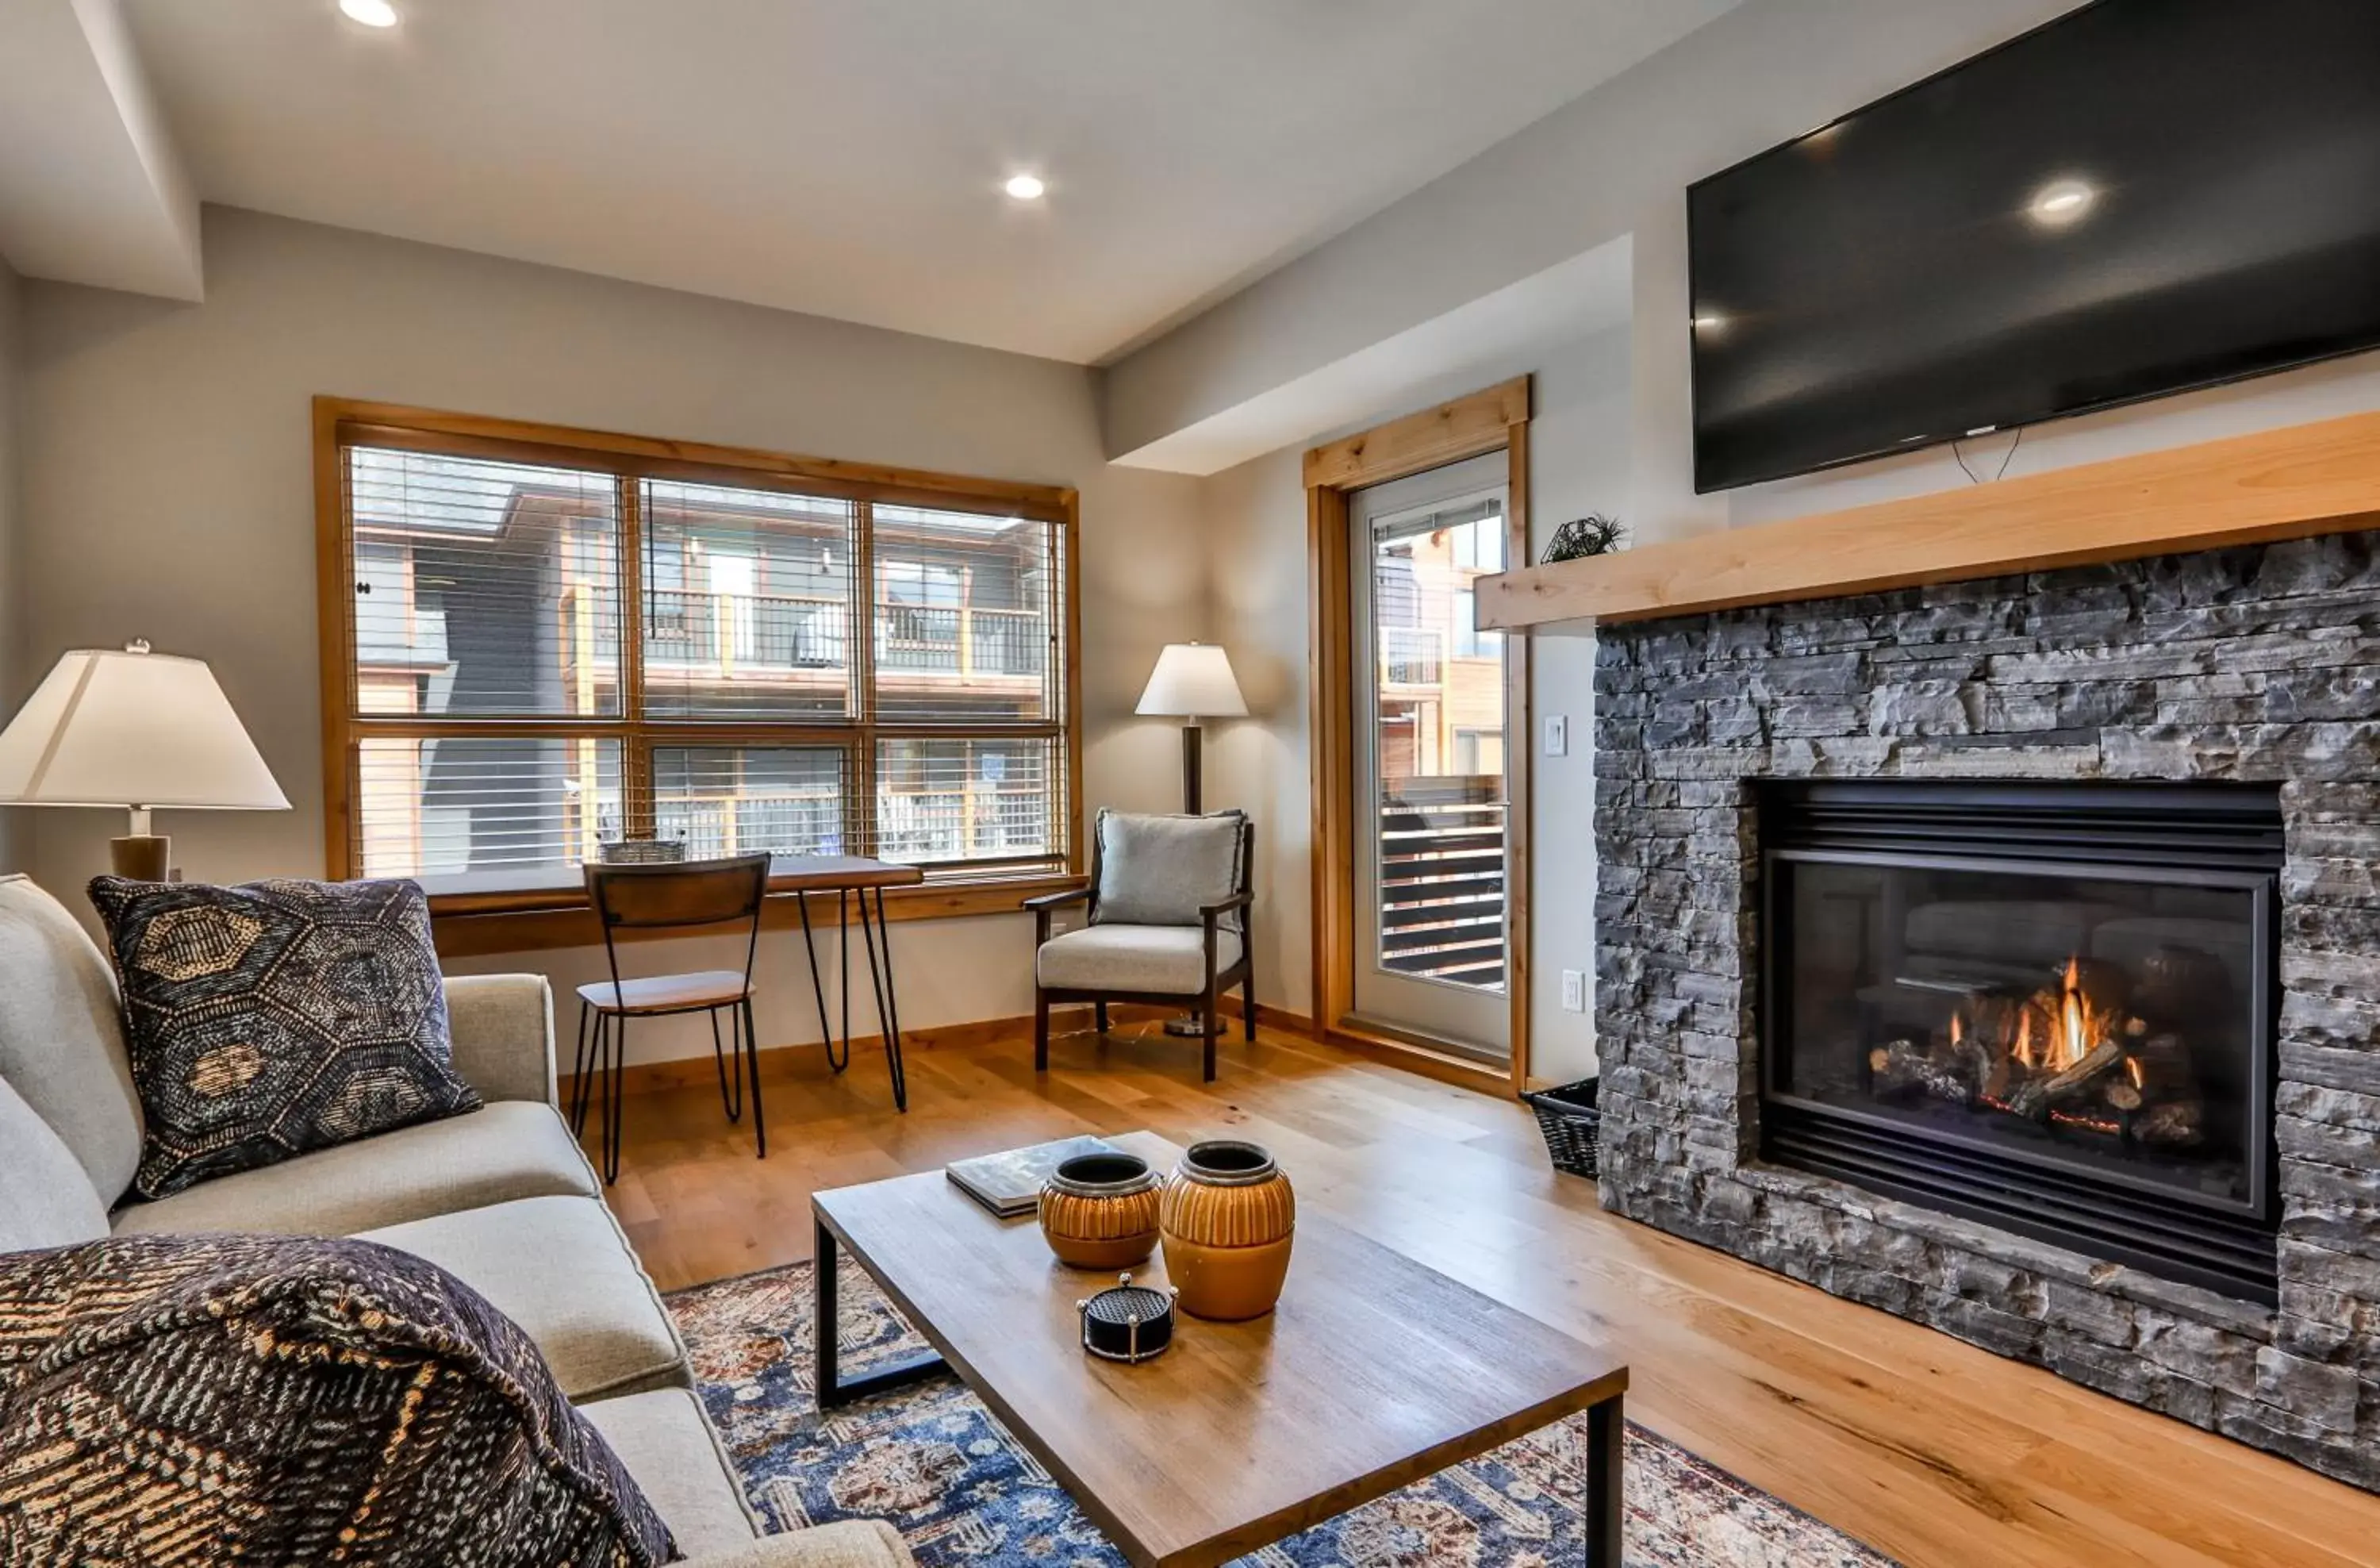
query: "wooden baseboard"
1414, 1057
781, 1063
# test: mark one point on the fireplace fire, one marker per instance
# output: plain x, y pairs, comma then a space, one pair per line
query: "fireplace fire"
2072, 1053
2050, 1006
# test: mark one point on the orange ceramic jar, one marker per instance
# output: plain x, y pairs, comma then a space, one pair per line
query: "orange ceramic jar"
1099, 1211
1228, 1219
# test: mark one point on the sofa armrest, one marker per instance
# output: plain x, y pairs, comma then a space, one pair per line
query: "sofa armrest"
502, 1028
849, 1543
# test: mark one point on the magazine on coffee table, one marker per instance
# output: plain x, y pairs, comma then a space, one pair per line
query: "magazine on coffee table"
1009, 1183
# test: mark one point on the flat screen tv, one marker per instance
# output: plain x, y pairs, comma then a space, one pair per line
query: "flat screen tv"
2141, 197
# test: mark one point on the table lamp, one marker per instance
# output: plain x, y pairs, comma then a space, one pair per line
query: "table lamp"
1192, 681
134, 730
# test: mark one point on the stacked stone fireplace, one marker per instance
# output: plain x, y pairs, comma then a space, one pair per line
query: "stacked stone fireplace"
2177, 1041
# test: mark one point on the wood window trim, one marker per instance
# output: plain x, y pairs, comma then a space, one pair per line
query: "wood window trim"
1494, 419
532, 919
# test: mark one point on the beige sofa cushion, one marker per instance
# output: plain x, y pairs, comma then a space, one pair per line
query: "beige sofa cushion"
507, 1149
560, 1268
501, 1027
62, 1035
848, 1543
1168, 960
46, 1199
666, 1443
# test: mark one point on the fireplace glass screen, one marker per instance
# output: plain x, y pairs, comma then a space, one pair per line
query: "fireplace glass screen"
2092, 1020
2056, 1008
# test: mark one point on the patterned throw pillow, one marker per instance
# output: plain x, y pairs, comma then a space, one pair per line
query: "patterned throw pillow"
275, 1017
170, 1402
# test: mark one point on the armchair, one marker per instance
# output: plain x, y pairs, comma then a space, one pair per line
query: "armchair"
1170, 920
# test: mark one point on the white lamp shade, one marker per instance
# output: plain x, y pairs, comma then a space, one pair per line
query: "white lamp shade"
1193, 680
110, 728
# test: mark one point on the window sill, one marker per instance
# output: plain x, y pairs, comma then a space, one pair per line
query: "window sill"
477, 924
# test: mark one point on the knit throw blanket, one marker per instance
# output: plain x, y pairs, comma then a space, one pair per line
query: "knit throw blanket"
183, 1400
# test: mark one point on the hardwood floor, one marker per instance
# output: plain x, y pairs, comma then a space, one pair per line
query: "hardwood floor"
1928, 1448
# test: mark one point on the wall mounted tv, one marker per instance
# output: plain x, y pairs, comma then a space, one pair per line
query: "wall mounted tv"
2141, 197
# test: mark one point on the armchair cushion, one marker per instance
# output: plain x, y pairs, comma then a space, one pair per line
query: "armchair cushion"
1164, 870
1164, 960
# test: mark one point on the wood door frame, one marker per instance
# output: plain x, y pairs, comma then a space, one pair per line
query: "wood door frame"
1494, 419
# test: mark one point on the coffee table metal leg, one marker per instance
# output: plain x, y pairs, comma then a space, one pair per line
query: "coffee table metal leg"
1607, 1444
834, 1388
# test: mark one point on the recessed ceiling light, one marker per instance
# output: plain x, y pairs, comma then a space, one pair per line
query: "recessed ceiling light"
372, 13
1024, 187
2061, 202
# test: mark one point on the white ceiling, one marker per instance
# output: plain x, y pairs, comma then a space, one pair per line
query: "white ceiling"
844, 157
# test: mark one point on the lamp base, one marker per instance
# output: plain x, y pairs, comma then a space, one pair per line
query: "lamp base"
1189, 1026
143, 857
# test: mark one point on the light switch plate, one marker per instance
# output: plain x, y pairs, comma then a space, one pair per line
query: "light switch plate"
1574, 991
1557, 735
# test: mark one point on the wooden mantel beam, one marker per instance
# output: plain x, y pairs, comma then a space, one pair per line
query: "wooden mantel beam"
2287, 483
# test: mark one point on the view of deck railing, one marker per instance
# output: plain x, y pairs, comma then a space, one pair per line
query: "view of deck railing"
760, 633
1441, 880
923, 826
1412, 655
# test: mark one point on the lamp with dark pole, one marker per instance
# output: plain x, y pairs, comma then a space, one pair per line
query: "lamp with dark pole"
1192, 681
136, 730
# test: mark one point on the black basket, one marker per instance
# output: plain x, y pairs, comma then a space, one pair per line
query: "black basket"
1572, 1125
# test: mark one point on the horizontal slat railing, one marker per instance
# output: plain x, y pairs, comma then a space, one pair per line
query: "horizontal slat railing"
1441, 880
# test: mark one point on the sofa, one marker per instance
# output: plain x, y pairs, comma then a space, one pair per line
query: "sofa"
500, 1197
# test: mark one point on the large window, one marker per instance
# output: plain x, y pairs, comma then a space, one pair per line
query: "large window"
541, 641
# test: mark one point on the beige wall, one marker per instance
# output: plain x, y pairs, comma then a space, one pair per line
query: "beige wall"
169, 495
1255, 519
14, 679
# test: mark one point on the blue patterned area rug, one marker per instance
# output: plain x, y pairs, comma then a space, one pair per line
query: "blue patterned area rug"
964, 1495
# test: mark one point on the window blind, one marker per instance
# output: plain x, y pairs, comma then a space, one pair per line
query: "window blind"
748, 602
482, 587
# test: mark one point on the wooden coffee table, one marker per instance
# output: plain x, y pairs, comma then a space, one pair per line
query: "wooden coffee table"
1373, 1372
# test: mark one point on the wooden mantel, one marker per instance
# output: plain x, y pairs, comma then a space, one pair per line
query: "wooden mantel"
2277, 484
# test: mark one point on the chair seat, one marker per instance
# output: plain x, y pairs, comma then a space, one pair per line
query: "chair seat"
666, 993
1162, 960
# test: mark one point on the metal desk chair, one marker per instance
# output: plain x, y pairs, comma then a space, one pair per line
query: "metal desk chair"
632, 897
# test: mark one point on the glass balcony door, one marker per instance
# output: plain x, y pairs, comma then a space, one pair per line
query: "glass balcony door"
1429, 787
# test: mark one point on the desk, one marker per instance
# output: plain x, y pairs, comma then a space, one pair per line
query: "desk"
844, 875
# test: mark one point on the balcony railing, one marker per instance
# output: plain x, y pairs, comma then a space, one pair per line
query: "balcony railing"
1442, 876
981, 821
1412, 656
743, 632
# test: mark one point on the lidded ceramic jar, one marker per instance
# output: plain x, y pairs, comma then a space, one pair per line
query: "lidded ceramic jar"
1099, 1211
1228, 1219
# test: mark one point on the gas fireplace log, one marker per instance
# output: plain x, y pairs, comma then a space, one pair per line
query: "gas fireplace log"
1902, 1066
2121, 1096
2167, 1070
2035, 1098
2177, 1124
